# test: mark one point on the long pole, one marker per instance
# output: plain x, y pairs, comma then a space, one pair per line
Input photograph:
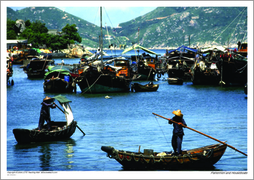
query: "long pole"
202, 134
101, 39
66, 112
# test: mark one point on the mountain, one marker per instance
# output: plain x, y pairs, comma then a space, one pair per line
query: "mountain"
162, 27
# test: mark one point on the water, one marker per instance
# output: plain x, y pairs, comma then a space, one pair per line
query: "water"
125, 122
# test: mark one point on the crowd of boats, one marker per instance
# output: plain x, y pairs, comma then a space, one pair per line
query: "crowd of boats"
101, 73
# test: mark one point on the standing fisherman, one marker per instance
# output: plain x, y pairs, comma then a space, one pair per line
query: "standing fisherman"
45, 112
178, 133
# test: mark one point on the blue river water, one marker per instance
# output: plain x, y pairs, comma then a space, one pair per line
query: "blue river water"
125, 122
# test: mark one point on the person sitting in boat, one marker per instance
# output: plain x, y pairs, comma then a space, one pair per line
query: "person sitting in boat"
178, 133
45, 112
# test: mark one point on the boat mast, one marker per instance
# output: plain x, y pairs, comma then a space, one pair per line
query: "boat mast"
101, 41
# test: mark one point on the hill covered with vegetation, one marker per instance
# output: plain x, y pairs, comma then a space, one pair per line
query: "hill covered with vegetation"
162, 27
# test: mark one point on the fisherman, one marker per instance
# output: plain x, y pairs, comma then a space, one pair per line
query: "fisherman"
45, 112
178, 133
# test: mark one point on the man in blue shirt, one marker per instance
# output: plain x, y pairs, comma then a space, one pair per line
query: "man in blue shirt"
178, 133
45, 112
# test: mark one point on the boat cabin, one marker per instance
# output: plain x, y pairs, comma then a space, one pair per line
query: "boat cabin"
125, 70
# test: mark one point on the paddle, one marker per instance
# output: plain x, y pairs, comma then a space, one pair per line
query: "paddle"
201, 133
67, 112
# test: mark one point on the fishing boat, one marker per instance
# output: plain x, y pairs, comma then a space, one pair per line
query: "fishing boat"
58, 80
36, 68
100, 78
201, 157
60, 130
144, 88
110, 78
179, 62
144, 66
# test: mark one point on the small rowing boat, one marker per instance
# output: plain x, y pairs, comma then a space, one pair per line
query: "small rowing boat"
144, 88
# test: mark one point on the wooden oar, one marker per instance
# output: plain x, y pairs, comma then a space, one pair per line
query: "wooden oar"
67, 112
202, 134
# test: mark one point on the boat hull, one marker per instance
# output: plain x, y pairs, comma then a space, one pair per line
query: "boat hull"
59, 132
57, 86
196, 158
103, 83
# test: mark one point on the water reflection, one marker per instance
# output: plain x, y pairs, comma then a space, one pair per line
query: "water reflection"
51, 153
45, 157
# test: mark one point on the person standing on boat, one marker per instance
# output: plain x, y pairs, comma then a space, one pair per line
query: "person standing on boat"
45, 112
178, 133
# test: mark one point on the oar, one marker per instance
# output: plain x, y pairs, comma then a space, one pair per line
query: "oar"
201, 133
67, 112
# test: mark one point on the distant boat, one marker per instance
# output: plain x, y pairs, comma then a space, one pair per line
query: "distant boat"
203, 157
36, 68
180, 61
58, 80
145, 64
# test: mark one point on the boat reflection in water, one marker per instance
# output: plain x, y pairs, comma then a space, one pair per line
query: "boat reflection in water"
47, 157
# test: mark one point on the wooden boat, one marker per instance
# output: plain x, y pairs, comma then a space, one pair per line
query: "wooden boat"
243, 48
201, 157
144, 88
180, 61
101, 78
109, 79
36, 68
60, 130
58, 80
178, 81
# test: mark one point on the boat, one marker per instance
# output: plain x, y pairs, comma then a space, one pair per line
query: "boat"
110, 78
179, 62
234, 69
177, 81
144, 88
58, 80
243, 48
201, 157
97, 77
60, 130
144, 66
36, 68
25, 54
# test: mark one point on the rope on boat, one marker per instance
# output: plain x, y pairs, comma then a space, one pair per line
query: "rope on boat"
162, 131
149, 73
89, 87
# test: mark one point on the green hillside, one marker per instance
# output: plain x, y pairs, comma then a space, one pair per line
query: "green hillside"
162, 27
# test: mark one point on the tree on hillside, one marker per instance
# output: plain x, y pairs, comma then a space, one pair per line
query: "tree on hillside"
70, 33
12, 29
